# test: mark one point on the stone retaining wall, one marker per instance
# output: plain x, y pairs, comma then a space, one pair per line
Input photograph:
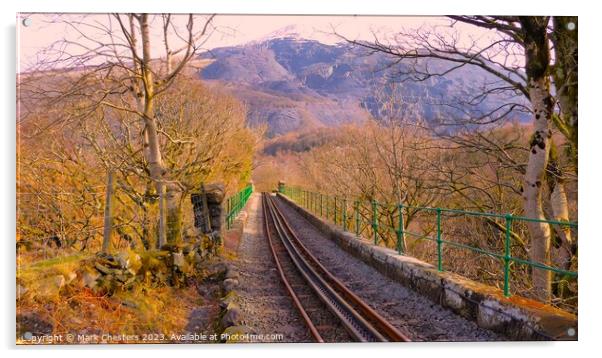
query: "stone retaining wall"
516, 317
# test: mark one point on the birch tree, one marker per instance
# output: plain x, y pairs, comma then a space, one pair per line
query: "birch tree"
112, 65
544, 67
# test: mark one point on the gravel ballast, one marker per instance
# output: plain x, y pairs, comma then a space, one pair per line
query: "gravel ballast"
265, 305
420, 318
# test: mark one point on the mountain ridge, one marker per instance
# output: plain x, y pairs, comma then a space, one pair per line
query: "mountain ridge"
293, 84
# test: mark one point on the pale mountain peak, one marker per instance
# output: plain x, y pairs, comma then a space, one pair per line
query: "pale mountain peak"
295, 31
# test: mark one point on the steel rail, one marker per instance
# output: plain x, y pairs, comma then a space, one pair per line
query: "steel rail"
358, 327
312, 328
381, 324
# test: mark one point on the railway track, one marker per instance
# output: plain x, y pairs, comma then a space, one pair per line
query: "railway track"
293, 260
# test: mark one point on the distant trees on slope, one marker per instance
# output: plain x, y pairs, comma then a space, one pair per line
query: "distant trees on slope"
106, 105
529, 55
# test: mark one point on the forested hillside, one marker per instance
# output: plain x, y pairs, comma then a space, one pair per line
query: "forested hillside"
112, 144
292, 84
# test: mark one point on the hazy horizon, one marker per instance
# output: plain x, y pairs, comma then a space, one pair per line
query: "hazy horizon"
234, 30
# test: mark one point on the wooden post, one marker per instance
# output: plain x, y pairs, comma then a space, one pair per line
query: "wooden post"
161, 240
106, 242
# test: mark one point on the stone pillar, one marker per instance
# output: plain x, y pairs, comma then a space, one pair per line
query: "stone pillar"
208, 212
215, 197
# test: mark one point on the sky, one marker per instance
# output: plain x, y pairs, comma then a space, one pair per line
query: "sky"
36, 32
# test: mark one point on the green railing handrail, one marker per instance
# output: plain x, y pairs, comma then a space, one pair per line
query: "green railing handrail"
235, 203
301, 196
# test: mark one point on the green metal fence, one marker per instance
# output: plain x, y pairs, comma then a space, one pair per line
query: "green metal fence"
235, 203
376, 221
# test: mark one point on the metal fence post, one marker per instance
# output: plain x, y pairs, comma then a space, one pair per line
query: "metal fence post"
439, 242
507, 256
344, 214
400, 248
335, 210
357, 218
375, 221
308, 201
321, 206
228, 213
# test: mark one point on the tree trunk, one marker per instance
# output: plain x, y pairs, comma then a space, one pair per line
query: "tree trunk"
137, 92
174, 213
534, 177
154, 158
168, 53
565, 76
560, 208
156, 172
146, 224
537, 59
106, 242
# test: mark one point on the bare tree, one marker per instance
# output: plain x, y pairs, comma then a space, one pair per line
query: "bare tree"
514, 38
111, 67
387, 161
59, 186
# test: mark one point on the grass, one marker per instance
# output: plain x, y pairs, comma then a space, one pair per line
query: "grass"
142, 310
59, 265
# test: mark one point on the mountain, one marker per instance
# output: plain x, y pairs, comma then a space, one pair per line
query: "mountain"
294, 84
